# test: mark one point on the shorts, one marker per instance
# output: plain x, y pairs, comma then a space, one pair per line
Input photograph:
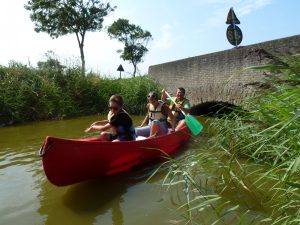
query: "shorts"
122, 137
112, 137
163, 126
143, 131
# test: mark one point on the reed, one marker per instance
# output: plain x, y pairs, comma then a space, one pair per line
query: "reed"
248, 170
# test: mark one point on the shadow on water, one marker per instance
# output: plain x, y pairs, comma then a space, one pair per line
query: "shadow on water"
86, 202
97, 197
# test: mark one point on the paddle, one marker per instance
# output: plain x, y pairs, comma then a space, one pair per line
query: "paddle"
193, 124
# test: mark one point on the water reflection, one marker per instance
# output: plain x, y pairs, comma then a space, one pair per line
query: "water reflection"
27, 197
98, 197
85, 203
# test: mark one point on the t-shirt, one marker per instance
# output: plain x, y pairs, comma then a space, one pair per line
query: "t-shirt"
124, 126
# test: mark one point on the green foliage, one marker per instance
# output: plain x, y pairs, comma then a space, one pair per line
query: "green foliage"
249, 173
57, 17
134, 38
269, 135
61, 17
136, 90
54, 91
270, 130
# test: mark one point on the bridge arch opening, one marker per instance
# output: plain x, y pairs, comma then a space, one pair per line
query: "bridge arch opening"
213, 108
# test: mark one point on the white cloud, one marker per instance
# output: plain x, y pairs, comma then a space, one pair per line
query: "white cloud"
21, 43
247, 7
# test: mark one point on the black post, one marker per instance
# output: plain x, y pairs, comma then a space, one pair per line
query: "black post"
120, 68
234, 31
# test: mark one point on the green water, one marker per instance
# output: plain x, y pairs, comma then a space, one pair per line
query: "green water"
27, 197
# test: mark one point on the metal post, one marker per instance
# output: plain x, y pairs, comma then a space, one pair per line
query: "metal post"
234, 31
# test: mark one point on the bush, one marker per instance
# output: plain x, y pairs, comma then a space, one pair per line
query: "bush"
54, 91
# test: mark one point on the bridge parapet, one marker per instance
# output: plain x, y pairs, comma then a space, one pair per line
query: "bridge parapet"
221, 76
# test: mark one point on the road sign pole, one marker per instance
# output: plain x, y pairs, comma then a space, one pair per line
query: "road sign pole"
234, 29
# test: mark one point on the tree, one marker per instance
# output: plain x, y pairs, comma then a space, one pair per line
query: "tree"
61, 17
134, 38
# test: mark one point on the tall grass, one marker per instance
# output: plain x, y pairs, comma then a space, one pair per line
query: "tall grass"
248, 170
54, 91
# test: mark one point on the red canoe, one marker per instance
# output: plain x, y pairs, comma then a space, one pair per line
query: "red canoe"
69, 161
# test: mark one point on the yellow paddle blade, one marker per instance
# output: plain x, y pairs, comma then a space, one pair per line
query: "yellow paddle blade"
193, 124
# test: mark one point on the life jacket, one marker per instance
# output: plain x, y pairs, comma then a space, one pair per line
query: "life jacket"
155, 113
176, 112
172, 105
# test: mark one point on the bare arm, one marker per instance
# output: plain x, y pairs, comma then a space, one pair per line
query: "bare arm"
163, 96
100, 128
185, 110
146, 119
172, 119
101, 122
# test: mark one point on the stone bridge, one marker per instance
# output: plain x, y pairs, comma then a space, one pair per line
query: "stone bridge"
222, 76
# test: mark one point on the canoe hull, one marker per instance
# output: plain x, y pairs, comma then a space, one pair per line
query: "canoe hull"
69, 161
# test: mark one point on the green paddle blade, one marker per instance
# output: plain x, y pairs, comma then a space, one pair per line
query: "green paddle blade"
194, 125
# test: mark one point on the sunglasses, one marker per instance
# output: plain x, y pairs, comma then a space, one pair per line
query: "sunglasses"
112, 107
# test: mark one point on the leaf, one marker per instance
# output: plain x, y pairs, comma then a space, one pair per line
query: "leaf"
266, 220
292, 184
269, 67
296, 165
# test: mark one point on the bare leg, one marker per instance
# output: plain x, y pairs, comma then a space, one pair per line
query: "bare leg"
104, 136
156, 129
180, 124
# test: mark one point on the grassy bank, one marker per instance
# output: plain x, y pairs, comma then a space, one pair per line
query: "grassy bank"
248, 170
54, 91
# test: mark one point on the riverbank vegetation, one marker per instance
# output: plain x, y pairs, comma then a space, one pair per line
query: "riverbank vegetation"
54, 91
247, 172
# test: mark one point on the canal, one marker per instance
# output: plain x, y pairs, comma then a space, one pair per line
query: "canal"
28, 198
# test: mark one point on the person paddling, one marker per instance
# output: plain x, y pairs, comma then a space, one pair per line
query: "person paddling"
118, 121
182, 104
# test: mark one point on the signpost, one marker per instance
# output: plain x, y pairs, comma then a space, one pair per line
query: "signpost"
234, 33
120, 68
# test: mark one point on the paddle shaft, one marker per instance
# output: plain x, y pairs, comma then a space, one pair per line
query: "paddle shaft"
174, 102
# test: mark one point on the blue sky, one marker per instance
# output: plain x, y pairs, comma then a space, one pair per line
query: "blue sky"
180, 29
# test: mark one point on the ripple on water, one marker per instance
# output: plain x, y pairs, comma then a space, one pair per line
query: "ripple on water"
13, 157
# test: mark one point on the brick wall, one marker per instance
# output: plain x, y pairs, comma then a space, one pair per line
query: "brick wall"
220, 76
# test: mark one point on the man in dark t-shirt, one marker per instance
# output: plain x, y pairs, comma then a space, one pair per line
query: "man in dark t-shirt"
117, 120
123, 126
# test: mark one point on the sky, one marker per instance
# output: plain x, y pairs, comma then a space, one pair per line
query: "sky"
180, 29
